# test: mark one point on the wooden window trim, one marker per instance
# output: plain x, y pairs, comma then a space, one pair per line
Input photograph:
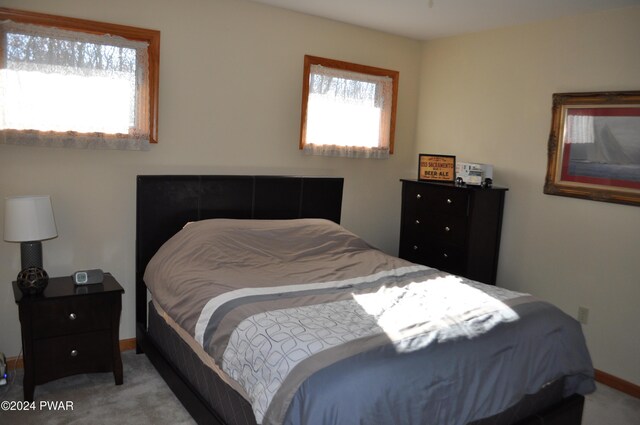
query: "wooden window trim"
152, 37
346, 66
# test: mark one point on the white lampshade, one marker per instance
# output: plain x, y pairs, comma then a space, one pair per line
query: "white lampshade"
29, 218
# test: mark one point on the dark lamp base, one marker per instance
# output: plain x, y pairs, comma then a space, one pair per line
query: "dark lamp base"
32, 281
31, 254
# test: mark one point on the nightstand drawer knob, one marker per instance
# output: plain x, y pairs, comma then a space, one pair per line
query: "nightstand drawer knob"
418, 196
72, 316
449, 201
415, 247
417, 221
74, 353
447, 228
445, 255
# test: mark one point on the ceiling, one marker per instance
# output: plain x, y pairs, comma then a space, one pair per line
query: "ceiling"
429, 19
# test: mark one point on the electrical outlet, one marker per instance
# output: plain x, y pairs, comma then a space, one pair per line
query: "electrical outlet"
583, 315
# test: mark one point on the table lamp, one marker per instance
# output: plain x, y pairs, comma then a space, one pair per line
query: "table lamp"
29, 220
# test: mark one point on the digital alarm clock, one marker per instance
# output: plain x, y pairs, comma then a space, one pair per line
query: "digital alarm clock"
88, 277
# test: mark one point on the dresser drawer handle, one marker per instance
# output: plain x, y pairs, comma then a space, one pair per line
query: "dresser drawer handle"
417, 221
449, 201
418, 196
74, 353
447, 228
415, 247
72, 316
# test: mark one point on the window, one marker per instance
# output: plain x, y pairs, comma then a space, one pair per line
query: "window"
77, 83
347, 109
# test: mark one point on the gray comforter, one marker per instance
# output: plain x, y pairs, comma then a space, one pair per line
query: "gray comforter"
312, 325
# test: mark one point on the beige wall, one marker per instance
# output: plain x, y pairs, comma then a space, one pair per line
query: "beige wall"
230, 91
487, 98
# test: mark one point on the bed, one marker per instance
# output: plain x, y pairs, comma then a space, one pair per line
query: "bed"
229, 211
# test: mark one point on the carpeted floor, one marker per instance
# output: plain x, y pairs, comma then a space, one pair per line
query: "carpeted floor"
144, 398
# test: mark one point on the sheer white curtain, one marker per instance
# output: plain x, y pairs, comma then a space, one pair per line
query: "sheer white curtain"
348, 114
72, 89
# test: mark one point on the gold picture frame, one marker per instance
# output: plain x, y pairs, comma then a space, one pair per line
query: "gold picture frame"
594, 147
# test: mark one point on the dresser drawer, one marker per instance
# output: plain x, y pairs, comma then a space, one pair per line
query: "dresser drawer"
71, 354
437, 255
450, 230
427, 199
447, 258
72, 315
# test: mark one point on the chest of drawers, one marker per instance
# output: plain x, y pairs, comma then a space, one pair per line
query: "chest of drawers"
70, 329
451, 228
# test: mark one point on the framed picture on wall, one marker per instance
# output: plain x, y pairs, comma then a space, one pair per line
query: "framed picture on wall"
594, 147
440, 168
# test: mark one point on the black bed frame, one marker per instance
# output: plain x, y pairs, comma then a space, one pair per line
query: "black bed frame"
166, 203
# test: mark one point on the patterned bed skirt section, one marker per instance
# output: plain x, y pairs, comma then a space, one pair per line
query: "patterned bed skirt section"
229, 405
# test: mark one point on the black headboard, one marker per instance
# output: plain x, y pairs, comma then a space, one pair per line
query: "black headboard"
166, 203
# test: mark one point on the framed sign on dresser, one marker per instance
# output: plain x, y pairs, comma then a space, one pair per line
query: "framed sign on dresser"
452, 228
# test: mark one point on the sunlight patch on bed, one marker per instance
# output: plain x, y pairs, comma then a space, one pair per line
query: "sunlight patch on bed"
436, 310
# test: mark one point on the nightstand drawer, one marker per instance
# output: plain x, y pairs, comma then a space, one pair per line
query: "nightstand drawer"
71, 354
67, 316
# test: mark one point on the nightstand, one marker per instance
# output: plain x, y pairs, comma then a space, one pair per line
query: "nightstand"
70, 329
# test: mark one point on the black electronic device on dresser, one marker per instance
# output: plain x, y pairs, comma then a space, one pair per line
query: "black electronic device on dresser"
70, 329
452, 228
